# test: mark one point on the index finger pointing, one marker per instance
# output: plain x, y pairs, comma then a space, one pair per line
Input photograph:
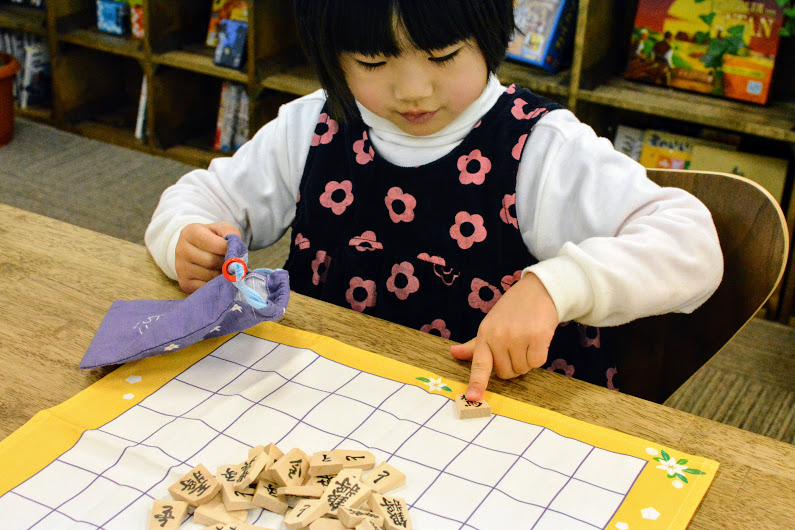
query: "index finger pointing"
482, 363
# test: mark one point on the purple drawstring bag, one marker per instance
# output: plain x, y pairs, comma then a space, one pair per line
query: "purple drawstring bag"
232, 302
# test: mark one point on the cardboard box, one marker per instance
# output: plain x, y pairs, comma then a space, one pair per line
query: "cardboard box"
544, 33
770, 172
666, 150
721, 47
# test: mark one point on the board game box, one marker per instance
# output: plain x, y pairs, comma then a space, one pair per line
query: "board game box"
720, 47
544, 33
225, 10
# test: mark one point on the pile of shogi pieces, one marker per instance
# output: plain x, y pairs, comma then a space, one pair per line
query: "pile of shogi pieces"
323, 492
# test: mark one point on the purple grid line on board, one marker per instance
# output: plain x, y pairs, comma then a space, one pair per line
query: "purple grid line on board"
561, 489
307, 386
219, 433
137, 444
502, 477
443, 471
42, 504
431, 428
634, 480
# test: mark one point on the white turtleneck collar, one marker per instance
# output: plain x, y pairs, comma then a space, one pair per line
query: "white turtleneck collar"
406, 150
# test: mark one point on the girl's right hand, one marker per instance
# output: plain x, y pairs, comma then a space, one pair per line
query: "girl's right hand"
200, 253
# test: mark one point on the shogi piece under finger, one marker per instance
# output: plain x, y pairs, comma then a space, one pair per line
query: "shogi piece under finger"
325, 463
274, 454
214, 512
196, 487
345, 490
324, 523
394, 510
384, 478
168, 514
466, 409
305, 513
352, 458
267, 497
314, 491
291, 469
251, 468
352, 517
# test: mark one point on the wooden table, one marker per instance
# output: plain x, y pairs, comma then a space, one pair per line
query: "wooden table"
57, 281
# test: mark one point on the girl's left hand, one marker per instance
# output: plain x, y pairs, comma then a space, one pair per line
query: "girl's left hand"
513, 338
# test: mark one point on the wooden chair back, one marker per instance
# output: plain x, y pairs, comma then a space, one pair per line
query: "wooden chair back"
658, 354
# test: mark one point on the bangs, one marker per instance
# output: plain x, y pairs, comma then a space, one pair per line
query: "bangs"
370, 27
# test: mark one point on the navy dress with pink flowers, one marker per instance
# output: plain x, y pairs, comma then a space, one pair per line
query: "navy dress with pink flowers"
430, 247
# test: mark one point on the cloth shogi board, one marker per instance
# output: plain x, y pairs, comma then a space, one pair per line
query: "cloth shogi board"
100, 458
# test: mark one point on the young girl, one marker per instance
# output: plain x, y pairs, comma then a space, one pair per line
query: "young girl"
421, 191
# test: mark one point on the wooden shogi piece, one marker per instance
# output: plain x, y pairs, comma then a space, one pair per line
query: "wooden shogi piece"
234, 526
251, 468
266, 496
233, 500
214, 512
352, 458
168, 514
324, 523
274, 454
352, 517
345, 490
291, 469
196, 487
368, 525
466, 409
384, 478
325, 463
311, 490
305, 513
394, 510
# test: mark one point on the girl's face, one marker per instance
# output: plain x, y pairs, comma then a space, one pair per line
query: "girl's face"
420, 92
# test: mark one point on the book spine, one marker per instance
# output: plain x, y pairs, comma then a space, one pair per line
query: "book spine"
241, 127
140, 121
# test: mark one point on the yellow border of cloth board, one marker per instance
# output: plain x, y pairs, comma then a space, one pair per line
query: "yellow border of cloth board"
657, 493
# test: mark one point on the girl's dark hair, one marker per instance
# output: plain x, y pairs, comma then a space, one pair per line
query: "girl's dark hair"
328, 27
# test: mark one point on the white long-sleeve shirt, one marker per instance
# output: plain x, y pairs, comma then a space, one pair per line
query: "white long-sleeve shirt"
612, 245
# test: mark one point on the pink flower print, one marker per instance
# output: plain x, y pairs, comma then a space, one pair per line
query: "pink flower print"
516, 152
586, 341
508, 210
611, 372
510, 279
477, 124
561, 364
519, 113
364, 150
511, 89
483, 295
439, 326
436, 260
403, 282
320, 267
366, 241
337, 196
298, 198
360, 294
301, 242
325, 130
465, 166
468, 229
400, 205
447, 274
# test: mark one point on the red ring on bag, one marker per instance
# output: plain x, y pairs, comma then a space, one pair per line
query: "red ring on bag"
225, 269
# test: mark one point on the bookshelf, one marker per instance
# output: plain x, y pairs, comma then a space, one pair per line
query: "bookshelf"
97, 79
